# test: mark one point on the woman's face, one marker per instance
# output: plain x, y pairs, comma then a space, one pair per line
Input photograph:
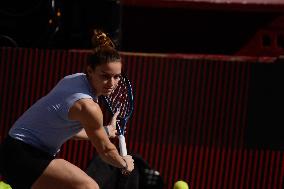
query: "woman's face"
104, 78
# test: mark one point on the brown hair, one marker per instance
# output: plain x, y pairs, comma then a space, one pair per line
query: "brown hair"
103, 51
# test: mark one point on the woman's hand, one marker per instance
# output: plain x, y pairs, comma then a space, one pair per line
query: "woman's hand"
129, 165
111, 127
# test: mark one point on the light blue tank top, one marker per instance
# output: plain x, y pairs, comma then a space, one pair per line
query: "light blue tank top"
45, 124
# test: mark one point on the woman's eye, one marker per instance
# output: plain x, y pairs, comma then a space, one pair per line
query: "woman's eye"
117, 77
105, 77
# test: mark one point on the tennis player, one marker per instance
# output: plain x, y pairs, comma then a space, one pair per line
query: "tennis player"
69, 110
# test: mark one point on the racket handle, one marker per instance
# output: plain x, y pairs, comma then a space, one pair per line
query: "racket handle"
122, 145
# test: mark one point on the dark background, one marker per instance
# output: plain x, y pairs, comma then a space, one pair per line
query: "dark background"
265, 106
207, 29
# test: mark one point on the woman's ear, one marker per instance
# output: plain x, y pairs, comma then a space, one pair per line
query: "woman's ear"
89, 71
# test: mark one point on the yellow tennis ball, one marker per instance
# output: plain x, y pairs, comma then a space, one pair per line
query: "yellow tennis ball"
181, 185
3, 185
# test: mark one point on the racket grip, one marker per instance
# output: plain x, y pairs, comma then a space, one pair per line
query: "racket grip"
122, 145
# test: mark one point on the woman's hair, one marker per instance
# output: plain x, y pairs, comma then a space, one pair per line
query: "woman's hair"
103, 51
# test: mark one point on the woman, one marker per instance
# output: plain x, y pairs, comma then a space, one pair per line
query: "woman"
70, 110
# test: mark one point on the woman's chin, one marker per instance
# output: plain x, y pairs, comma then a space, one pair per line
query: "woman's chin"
106, 93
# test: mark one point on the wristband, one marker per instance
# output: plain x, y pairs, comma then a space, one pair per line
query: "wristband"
106, 129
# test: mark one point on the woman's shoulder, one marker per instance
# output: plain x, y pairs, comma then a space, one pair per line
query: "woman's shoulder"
87, 104
85, 107
73, 84
75, 75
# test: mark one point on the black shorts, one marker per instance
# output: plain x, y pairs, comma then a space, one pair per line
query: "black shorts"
21, 163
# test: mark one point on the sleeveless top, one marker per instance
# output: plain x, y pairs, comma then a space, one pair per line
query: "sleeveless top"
45, 125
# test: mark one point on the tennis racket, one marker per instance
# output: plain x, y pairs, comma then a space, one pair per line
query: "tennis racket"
121, 99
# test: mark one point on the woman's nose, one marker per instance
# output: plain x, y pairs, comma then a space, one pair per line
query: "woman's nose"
111, 81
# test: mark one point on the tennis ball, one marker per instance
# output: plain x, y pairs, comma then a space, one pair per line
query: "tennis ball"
3, 185
181, 185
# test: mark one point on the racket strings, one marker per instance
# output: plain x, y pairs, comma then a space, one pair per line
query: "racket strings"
119, 100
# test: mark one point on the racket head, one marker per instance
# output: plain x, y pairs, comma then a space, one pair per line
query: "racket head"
122, 100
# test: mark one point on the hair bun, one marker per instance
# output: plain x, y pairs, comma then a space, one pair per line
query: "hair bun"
100, 39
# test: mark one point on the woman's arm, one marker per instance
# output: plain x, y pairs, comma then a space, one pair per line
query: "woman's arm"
82, 135
90, 115
110, 130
